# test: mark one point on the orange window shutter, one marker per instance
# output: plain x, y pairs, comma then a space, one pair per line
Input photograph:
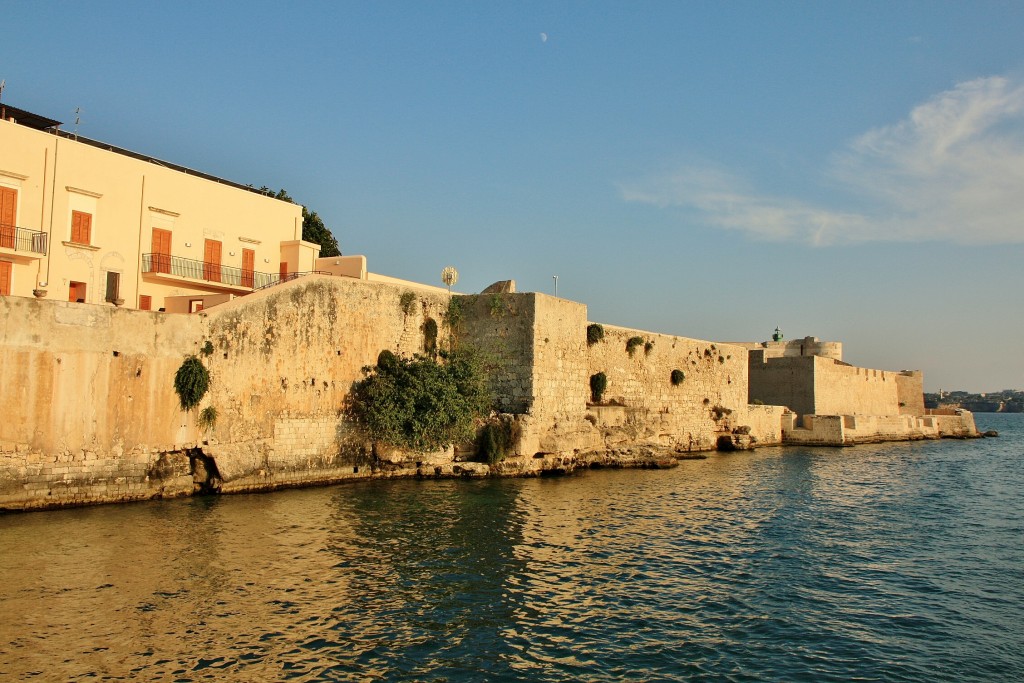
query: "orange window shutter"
248, 267
145, 302
5, 278
81, 227
8, 204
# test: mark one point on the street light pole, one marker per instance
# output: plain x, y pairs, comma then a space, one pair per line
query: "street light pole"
556, 284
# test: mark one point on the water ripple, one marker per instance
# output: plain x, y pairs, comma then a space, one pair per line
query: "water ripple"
880, 563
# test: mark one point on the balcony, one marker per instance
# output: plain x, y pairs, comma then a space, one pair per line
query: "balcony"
30, 243
221, 277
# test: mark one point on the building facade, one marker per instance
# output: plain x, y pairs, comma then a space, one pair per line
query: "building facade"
87, 222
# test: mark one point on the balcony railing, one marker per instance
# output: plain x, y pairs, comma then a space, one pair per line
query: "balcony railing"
23, 239
204, 270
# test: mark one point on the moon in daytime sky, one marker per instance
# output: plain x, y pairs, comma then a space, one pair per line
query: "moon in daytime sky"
543, 37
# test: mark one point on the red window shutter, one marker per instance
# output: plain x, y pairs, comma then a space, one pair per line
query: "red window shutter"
145, 302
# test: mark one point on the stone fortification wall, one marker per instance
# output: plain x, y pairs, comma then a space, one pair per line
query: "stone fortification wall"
710, 401
783, 382
89, 414
501, 327
808, 346
848, 430
283, 365
822, 386
841, 389
910, 392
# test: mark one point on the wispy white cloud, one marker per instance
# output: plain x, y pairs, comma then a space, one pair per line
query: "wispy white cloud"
953, 170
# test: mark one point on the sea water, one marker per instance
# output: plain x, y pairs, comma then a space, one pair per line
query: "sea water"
892, 562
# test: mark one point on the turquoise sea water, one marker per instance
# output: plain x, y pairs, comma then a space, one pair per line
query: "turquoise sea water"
897, 562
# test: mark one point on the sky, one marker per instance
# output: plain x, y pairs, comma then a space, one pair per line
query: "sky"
852, 171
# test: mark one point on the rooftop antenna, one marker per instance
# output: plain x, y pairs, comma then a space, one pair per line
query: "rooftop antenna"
78, 119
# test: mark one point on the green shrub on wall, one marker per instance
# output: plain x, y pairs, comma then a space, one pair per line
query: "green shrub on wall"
677, 377
648, 347
191, 382
408, 302
595, 333
598, 383
207, 418
632, 344
420, 403
497, 441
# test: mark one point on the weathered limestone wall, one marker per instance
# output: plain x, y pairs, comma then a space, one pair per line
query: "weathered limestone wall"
910, 392
501, 327
765, 422
808, 346
284, 361
88, 411
822, 386
847, 430
711, 401
783, 382
841, 389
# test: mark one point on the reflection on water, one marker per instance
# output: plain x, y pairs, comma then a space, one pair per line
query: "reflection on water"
894, 562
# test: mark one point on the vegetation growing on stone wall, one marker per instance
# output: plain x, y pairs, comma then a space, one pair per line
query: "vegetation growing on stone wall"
632, 344
757, 402
430, 336
207, 418
191, 382
677, 377
720, 411
497, 440
420, 403
454, 315
496, 305
648, 347
207, 348
595, 333
598, 384
408, 302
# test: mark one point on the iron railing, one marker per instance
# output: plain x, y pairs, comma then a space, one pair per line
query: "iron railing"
277, 279
23, 239
204, 270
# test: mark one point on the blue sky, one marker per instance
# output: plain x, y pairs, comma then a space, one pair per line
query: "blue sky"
848, 170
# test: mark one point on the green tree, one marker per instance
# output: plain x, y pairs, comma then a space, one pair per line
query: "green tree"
313, 228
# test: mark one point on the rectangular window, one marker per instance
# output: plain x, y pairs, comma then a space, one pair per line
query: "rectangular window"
113, 287
5, 278
248, 267
81, 227
145, 302
8, 226
76, 292
211, 261
195, 305
161, 251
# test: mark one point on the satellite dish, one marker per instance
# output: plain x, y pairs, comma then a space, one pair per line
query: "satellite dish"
449, 276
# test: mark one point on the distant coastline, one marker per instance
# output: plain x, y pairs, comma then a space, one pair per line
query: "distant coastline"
1006, 401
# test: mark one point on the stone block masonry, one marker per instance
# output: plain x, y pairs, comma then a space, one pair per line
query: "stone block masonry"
90, 414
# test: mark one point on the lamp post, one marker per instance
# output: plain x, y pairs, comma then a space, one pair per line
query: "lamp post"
555, 277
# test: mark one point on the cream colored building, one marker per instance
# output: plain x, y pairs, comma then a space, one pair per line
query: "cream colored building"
85, 221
